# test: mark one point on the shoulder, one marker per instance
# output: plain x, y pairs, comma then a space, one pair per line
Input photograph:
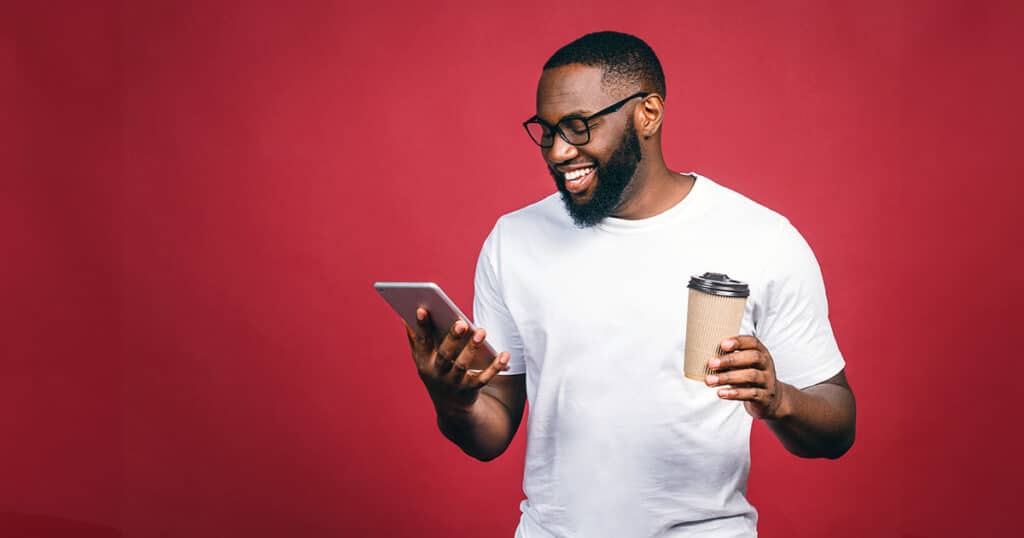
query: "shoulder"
544, 216
768, 236
547, 211
730, 209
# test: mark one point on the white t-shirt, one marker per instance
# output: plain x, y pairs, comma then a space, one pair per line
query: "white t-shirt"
619, 442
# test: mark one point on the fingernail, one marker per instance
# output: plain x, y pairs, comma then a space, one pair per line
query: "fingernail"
723, 393
714, 363
728, 344
712, 379
503, 359
478, 337
420, 314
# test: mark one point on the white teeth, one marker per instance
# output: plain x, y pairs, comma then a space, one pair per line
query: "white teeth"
576, 174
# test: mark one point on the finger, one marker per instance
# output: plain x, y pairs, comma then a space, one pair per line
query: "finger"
469, 352
442, 364
736, 343
754, 394
420, 337
452, 345
748, 377
499, 364
750, 358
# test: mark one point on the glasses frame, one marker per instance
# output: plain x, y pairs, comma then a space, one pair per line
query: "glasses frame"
586, 121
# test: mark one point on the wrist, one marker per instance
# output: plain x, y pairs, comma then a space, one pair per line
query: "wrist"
453, 408
786, 396
455, 418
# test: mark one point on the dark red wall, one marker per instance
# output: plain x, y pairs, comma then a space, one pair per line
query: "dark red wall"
196, 198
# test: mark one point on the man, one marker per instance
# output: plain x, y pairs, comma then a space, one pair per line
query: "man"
585, 293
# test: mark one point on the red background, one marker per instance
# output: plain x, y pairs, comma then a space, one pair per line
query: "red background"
196, 198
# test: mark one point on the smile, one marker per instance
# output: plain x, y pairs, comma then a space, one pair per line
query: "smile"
578, 180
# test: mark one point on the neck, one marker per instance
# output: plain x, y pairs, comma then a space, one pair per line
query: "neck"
653, 190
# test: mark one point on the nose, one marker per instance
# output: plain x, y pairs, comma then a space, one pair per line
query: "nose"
561, 151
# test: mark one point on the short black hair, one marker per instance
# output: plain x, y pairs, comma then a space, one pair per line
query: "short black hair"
627, 61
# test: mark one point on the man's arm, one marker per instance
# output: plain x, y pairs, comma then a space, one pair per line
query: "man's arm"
478, 410
485, 429
816, 422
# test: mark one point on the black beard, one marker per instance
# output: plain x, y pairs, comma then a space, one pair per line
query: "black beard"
613, 178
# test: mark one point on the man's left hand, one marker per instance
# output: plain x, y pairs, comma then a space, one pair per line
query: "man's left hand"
748, 369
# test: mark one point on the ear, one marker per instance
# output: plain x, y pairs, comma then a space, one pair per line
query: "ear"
648, 115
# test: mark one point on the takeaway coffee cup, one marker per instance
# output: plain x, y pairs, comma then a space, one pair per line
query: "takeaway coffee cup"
714, 312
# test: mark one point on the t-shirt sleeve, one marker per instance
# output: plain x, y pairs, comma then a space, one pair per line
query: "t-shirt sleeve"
795, 326
489, 308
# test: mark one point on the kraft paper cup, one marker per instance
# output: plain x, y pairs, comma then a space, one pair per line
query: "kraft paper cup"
714, 312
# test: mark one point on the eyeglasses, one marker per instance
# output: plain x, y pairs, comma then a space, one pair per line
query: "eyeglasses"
573, 129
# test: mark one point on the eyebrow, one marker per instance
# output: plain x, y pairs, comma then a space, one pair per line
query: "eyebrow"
578, 113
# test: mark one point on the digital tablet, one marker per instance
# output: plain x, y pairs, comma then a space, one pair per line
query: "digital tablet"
406, 297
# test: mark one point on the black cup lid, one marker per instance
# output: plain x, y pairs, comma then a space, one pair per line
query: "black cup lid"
719, 284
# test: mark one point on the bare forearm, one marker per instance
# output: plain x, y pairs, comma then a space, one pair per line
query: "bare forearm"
484, 430
817, 422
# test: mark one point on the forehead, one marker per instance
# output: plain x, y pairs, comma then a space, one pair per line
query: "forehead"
570, 89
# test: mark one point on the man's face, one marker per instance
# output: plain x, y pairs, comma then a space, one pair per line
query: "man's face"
594, 178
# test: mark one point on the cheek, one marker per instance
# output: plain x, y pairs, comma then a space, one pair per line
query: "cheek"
596, 152
601, 149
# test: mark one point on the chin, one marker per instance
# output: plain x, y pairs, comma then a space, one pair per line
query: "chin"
582, 198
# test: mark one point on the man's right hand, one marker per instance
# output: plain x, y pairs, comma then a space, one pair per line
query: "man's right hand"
445, 367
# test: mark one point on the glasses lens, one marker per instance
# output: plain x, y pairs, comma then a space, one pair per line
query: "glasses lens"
540, 134
575, 130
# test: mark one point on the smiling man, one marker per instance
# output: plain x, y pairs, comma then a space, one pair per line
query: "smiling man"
585, 294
